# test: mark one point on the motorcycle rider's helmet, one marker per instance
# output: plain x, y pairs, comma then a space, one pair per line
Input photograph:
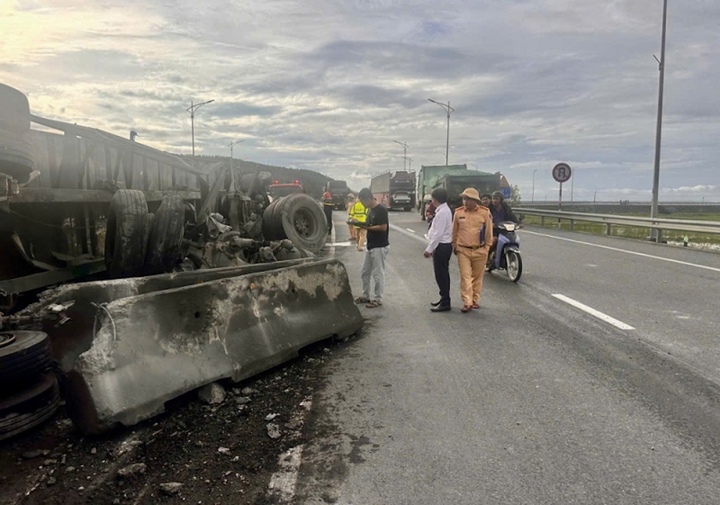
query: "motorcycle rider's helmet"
498, 194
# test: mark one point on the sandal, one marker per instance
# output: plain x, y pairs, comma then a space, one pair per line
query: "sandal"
362, 299
373, 304
465, 309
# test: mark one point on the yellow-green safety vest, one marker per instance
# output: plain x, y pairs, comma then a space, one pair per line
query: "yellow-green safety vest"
359, 212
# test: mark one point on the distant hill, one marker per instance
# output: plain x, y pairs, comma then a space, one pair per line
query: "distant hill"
314, 182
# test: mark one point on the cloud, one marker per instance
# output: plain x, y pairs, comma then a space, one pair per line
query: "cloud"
328, 85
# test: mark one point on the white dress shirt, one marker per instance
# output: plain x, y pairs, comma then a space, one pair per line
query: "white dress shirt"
441, 228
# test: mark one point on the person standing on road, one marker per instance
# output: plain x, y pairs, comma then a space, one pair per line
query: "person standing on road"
349, 208
472, 235
328, 209
358, 214
378, 246
440, 248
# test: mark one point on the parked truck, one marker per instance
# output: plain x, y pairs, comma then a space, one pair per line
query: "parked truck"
456, 182
427, 178
138, 276
395, 190
339, 191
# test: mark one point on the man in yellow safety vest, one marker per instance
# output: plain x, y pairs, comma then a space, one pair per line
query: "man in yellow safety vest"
358, 212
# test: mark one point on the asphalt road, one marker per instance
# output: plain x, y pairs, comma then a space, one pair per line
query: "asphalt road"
529, 400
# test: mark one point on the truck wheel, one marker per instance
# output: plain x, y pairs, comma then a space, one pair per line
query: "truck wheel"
23, 355
296, 217
164, 249
16, 155
304, 222
128, 227
15, 110
24, 410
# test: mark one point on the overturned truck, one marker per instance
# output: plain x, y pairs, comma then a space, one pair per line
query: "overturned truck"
137, 276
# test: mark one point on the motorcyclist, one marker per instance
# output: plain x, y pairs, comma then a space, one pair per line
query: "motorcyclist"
500, 212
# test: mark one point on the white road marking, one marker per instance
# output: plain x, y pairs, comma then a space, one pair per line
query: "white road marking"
408, 234
600, 315
284, 481
624, 251
410, 230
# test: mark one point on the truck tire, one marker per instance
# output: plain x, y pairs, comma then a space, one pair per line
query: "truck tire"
23, 356
24, 410
299, 218
164, 247
16, 155
128, 227
15, 110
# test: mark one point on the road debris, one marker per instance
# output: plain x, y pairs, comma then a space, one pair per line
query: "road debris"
212, 394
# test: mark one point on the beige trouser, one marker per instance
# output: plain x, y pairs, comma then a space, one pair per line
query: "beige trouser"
472, 268
361, 234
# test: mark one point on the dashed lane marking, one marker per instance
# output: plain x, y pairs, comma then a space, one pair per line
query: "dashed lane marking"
705, 267
410, 230
600, 315
407, 233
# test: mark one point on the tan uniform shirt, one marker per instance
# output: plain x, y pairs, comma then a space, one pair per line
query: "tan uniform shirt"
467, 225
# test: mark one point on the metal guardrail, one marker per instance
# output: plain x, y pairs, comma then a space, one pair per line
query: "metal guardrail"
610, 220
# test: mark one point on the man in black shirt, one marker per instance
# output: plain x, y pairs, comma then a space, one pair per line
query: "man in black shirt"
378, 228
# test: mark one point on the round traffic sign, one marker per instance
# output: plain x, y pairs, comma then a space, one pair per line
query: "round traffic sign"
561, 172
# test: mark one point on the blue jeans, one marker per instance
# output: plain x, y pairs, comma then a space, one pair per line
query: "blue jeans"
374, 268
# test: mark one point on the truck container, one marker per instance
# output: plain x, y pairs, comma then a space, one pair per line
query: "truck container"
395, 190
427, 178
456, 182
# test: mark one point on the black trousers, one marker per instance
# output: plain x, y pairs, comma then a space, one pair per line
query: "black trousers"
441, 265
328, 214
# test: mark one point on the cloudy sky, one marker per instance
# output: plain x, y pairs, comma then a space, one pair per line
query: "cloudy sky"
328, 85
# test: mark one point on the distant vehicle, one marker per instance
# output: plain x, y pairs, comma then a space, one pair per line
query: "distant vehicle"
339, 192
395, 190
456, 182
427, 178
278, 189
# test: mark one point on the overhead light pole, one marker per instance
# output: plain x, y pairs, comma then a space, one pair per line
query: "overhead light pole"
655, 233
532, 198
234, 144
193, 107
405, 148
448, 109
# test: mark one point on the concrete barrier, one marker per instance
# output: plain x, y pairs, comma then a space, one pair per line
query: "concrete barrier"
75, 337
151, 347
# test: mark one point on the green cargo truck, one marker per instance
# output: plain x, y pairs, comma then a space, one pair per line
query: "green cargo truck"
427, 179
456, 182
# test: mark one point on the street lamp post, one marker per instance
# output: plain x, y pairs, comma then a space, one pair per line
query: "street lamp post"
655, 233
193, 107
448, 109
234, 144
532, 199
405, 148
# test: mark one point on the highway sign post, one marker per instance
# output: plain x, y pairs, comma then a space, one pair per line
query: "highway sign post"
561, 173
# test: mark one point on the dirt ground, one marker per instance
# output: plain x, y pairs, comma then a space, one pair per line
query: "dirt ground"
217, 453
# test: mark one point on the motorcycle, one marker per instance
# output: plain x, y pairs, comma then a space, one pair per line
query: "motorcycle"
507, 252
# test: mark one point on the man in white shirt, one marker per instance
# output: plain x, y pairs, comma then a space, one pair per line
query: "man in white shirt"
440, 248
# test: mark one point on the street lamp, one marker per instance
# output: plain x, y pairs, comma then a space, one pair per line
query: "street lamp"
234, 144
655, 233
532, 199
448, 109
193, 107
405, 148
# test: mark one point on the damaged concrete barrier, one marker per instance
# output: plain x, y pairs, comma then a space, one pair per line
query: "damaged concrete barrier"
75, 336
152, 347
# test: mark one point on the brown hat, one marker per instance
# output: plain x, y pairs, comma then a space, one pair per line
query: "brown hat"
471, 193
